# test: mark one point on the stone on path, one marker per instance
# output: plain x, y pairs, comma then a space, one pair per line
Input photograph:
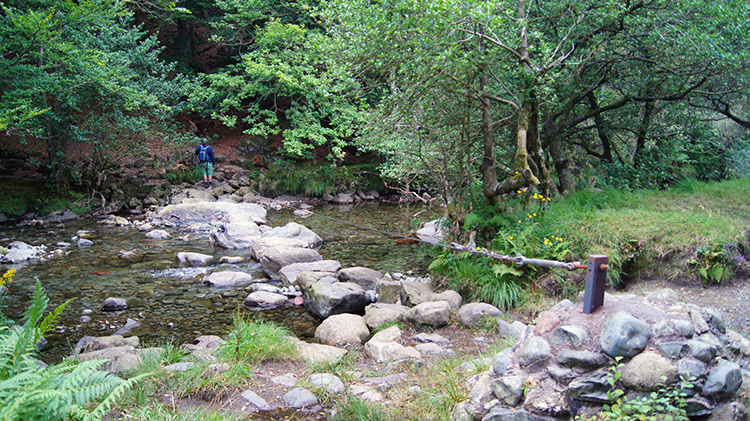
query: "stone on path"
471, 314
318, 353
434, 313
329, 382
300, 398
256, 400
342, 328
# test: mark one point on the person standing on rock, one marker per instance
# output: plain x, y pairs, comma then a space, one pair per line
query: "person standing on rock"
206, 161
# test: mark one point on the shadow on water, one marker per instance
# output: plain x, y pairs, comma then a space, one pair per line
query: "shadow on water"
170, 300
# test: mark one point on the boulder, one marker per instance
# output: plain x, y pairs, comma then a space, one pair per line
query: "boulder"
185, 214
228, 278
413, 293
298, 232
385, 352
300, 398
450, 296
533, 350
157, 235
723, 380
471, 314
289, 273
194, 259
324, 299
366, 277
115, 304
377, 314
329, 382
624, 336
318, 353
647, 372
272, 259
342, 329
265, 300
239, 235
435, 313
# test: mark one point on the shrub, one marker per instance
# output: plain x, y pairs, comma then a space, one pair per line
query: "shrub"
31, 391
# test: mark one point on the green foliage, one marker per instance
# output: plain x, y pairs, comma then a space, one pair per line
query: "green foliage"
665, 404
285, 177
32, 391
715, 264
185, 175
257, 341
473, 277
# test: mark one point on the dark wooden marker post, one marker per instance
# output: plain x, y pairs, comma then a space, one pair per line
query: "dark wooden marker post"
596, 282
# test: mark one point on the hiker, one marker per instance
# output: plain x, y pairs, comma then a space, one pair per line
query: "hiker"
206, 161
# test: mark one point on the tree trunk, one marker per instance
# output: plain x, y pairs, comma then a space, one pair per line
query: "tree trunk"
489, 173
601, 129
640, 144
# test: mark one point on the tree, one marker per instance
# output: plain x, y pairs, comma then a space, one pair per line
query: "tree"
557, 79
76, 71
283, 85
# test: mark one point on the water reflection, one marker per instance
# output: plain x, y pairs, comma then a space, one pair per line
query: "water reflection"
170, 300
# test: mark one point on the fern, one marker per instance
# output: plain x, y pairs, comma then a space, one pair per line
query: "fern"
31, 391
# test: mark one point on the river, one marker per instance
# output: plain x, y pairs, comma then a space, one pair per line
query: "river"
170, 300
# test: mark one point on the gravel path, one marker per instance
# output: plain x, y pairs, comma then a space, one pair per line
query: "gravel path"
732, 299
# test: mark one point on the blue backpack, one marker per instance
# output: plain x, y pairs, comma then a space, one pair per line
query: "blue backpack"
203, 153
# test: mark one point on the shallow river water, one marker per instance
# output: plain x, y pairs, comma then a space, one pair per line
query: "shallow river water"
170, 300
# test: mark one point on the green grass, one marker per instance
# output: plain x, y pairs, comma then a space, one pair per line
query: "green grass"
256, 341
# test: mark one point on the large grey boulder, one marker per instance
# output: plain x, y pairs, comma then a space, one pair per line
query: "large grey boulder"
366, 277
435, 313
289, 273
377, 314
297, 232
342, 329
624, 336
324, 299
185, 214
413, 293
272, 259
235, 236
471, 314
228, 278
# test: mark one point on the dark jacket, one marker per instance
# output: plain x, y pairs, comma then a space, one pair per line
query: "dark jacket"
209, 152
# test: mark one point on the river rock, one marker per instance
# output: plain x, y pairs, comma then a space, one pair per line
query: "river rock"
499, 413
365, 277
452, 297
235, 236
413, 293
586, 359
324, 299
509, 389
273, 253
533, 350
228, 278
289, 273
703, 351
569, 335
20, 252
377, 314
92, 343
265, 300
647, 372
385, 352
592, 387
435, 313
723, 380
730, 411
624, 336
194, 259
114, 304
157, 235
479, 396
342, 328
329, 382
300, 398
82, 242
471, 314
185, 214
298, 232
318, 353
256, 400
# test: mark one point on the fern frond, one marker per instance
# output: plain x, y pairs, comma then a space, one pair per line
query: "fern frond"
106, 404
46, 325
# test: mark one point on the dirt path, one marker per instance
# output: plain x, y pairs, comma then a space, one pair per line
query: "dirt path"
732, 299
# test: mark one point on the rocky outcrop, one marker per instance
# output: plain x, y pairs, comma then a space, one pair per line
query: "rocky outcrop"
569, 358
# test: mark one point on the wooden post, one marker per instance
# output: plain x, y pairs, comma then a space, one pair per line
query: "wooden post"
596, 282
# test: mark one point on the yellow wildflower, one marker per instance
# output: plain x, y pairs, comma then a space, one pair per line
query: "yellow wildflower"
511, 237
8, 276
